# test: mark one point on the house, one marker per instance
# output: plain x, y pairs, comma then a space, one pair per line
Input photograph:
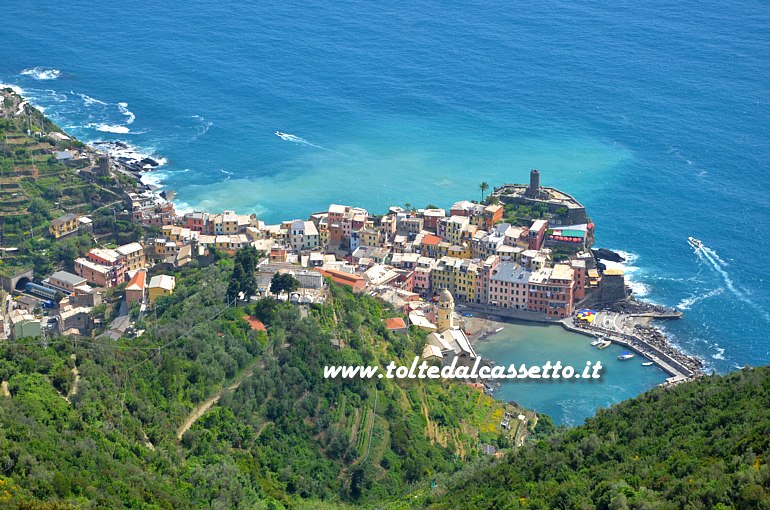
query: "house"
355, 282
396, 325
133, 254
64, 281
136, 290
64, 225
77, 318
161, 285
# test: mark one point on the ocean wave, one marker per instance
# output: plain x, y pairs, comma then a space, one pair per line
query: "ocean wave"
109, 128
123, 107
18, 90
128, 153
720, 355
88, 100
631, 272
41, 73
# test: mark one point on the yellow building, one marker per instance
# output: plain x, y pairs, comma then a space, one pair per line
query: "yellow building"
458, 276
64, 225
133, 254
161, 285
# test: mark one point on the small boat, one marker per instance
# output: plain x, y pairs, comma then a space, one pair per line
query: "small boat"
278, 133
626, 356
647, 364
604, 344
597, 342
695, 243
499, 330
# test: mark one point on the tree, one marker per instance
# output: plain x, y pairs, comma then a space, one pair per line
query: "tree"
484, 186
283, 282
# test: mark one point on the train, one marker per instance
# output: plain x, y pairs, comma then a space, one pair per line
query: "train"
41, 291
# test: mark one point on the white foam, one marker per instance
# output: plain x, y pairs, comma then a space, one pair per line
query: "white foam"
123, 107
720, 355
709, 257
109, 128
296, 139
18, 90
687, 303
204, 126
90, 101
153, 178
630, 271
42, 73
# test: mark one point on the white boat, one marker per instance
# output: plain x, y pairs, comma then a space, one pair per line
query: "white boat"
604, 344
695, 243
626, 356
647, 364
597, 342
278, 133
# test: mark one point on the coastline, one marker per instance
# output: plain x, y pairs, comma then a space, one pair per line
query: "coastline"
637, 333
128, 161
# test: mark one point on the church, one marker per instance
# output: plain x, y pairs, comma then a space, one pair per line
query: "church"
449, 341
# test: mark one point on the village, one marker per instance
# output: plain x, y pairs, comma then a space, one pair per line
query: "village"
542, 269
521, 253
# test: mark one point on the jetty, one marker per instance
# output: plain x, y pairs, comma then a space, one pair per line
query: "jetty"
641, 339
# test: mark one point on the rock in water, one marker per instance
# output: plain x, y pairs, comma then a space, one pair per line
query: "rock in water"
605, 254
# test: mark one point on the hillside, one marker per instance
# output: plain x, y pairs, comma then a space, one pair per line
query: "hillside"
36, 187
279, 433
703, 444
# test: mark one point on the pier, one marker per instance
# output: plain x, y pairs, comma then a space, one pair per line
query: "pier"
679, 369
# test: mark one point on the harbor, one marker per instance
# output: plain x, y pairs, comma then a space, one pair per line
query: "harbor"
634, 332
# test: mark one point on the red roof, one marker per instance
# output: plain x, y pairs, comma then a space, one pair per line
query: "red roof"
139, 279
431, 240
394, 323
255, 323
341, 278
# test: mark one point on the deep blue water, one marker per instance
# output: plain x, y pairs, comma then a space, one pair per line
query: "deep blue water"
654, 114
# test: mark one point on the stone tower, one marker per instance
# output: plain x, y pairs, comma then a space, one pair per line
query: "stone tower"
534, 183
446, 310
104, 165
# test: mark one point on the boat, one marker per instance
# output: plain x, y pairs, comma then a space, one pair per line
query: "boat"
604, 344
597, 342
278, 133
647, 364
499, 330
626, 356
695, 243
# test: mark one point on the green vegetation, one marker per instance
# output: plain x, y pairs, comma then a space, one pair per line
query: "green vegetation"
704, 444
242, 278
280, 433
484, 186
283, 282
36, 188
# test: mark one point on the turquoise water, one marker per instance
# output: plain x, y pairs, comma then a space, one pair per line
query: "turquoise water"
568, 402
654, 114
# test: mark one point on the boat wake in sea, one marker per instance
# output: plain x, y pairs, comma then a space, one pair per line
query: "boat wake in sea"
687, 303
296, 139
710, 257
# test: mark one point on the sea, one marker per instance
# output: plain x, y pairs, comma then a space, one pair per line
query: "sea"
655, 115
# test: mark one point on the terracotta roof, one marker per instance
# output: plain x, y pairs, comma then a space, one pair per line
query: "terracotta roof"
394, 323
255, 323
138, 282
431, 240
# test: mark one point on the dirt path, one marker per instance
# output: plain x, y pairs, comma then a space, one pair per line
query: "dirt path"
76, 380
201, 408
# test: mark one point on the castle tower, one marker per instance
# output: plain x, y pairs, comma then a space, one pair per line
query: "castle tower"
534, 183
446, 310
104, 165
